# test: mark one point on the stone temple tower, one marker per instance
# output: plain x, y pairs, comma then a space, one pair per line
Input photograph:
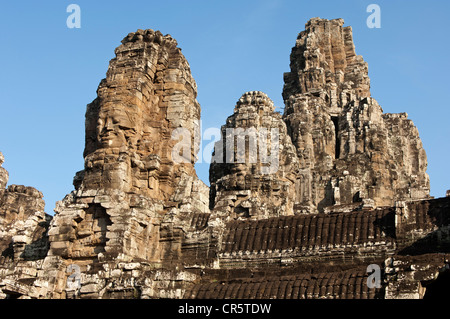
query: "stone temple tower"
349, 150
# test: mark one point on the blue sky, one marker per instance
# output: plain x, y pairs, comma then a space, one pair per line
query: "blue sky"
50, 72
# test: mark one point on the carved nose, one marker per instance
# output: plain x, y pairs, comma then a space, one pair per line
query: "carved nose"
108, 125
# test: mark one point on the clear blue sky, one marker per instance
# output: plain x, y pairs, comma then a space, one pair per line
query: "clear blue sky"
50, 72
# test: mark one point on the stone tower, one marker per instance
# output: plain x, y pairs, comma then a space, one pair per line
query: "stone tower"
253, 173
349, 151
131, 188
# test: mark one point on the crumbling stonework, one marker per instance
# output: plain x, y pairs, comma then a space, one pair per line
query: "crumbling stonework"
23, 232
301, 205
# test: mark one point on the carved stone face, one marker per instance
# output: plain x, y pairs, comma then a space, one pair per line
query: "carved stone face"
117, 126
